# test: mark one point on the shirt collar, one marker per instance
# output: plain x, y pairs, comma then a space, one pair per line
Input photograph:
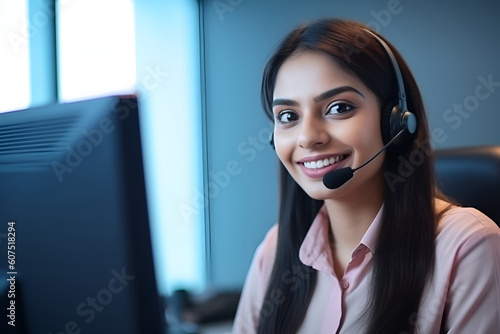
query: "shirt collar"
370, 237
315, 249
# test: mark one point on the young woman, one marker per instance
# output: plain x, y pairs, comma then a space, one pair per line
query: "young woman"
384, 252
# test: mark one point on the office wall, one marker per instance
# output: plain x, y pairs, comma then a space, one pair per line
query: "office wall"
451, 46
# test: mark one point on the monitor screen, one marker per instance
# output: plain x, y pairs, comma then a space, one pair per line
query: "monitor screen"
74, 232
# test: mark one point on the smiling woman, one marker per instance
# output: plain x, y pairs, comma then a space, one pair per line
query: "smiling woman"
329, 109
363, 257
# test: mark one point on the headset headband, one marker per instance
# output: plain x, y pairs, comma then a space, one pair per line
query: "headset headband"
395, 66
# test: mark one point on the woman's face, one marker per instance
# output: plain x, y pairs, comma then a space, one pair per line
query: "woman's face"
326, 119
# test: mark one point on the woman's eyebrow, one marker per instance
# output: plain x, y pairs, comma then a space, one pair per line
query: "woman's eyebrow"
321, 97
285, 102
332, 92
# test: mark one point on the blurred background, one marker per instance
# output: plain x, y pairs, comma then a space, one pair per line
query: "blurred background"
196, 67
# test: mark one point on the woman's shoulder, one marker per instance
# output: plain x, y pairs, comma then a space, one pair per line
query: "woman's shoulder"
466, 218
459, 225
466, 272
252, 295
266, 251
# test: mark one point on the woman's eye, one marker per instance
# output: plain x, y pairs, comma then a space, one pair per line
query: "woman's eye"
286, 117
339, 108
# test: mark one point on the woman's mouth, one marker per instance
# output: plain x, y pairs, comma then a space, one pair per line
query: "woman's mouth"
323, 162
318, 168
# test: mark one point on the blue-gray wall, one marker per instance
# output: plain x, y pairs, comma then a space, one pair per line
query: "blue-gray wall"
451, 46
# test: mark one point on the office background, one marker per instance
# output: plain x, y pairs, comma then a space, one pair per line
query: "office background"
197, 67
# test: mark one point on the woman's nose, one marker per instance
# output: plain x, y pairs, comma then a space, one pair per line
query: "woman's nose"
313, 132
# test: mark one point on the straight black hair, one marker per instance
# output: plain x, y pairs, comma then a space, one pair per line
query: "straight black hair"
404, 255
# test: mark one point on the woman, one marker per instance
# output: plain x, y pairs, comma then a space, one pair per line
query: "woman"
384, 252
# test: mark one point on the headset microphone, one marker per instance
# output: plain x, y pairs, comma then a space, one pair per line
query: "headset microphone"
338, 177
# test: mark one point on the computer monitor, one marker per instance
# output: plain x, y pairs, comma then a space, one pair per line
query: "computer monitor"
73, 214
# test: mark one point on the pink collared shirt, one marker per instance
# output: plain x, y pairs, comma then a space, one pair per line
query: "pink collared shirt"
463, 295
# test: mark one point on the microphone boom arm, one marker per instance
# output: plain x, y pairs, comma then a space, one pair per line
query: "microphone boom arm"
382, 149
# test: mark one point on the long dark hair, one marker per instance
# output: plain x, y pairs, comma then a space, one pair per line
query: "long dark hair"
404, 257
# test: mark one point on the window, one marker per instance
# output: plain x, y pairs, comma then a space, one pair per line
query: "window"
151, 48
96, 48
14, 55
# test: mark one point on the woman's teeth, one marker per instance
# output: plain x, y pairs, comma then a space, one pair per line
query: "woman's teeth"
323, 163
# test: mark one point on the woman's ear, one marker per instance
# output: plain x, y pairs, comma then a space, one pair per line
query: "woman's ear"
271, 140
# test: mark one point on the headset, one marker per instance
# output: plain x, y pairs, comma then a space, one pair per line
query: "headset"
395, 118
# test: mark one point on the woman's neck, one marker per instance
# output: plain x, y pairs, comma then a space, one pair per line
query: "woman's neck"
351, 217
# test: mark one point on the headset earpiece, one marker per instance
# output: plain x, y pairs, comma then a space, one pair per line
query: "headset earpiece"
393, 121
409, 122
386, 121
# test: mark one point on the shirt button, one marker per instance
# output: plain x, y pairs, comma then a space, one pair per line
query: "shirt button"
345, 285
